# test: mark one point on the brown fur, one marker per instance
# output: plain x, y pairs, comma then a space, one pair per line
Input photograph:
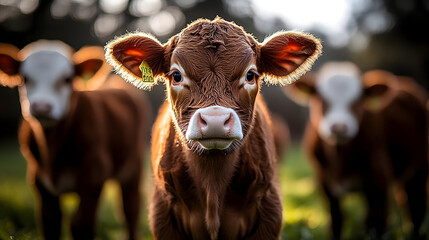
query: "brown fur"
199, 193
88, 147
207, 188
390, 147
101, 137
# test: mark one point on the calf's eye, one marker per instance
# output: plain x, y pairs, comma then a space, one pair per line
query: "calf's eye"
177, 77
250, 76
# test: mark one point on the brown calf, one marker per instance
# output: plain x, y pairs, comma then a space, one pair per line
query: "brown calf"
213, 155
365, 133
74, 141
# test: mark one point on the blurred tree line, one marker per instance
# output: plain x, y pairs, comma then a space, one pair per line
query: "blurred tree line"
386, 34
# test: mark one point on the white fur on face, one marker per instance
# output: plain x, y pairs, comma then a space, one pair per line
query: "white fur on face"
178, 87
339, 86
46, 73
248, 86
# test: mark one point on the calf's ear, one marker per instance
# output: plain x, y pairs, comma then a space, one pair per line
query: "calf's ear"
91, 70
301, 90
286, 56
379, 89
134, 53
9, 66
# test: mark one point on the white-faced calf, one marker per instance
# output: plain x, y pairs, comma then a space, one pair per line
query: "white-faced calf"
74, 141
213, 154
365, 133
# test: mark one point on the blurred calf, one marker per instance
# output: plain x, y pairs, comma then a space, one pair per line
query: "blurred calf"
366, 132
73, 140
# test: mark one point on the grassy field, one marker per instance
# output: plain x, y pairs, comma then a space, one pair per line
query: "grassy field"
305, 214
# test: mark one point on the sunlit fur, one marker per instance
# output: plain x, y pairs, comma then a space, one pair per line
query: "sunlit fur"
124, 72
278, 73
309, 55
211, 194
10, 77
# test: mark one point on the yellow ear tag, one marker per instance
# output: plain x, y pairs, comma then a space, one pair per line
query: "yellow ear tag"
147, 74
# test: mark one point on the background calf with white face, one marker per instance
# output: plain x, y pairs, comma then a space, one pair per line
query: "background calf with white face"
74, 140
366, 131
339, 88
47, 76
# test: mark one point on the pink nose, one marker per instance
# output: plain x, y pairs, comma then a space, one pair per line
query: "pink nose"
339, 129
214, 127
41, 108
215, 124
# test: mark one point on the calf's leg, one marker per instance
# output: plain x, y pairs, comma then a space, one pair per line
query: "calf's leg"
336, 214
378, 206
50, 213
415, 188
83, 222
131, 205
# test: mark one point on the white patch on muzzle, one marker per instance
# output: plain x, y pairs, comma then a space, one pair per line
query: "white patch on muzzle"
186, 82
342, 120
214, 127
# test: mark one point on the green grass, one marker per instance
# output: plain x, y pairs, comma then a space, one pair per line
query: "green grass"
305, 214
17, 203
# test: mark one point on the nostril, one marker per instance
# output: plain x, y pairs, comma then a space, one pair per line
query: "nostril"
214, 124
41, 108
229, 122
201, 121
48, 108
339, 128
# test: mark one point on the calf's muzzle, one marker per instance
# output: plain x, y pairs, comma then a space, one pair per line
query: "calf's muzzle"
214, 127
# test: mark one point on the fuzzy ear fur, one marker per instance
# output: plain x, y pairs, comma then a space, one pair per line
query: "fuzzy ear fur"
9, 66
286, 56
126, 53
91, 68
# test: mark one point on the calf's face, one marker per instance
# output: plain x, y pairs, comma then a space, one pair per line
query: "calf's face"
212, 71
339, 89
337, 97
213, 93
48, 84
47, 70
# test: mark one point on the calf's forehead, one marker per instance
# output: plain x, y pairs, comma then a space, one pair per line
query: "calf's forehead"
47, 66
221, 48
340, 89
339, 84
